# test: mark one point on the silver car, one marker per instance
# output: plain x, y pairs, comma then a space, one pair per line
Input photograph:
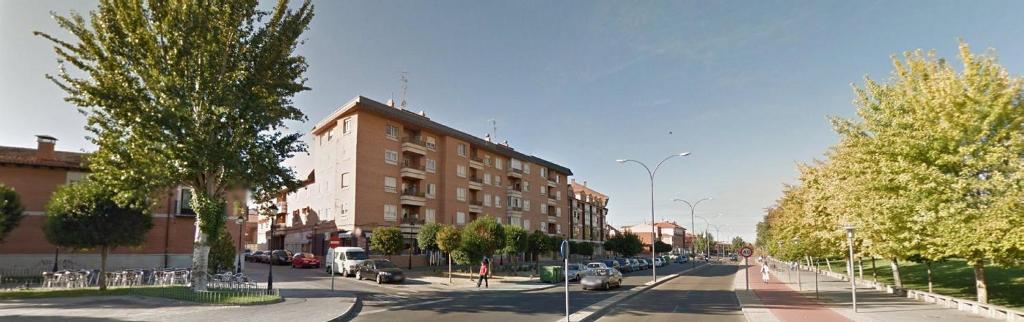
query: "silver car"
576, 271
602, 278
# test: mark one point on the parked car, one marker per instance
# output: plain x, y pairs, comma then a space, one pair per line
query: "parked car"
623, 264
658, 262
247, 254
254, 256
682, 259
644, 264
303, 260
596, 265
576, 271
280, 257
634, 264
602, 279
345, 260
381, 270
611, 263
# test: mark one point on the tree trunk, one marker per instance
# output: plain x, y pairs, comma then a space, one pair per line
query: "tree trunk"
874, 274
860, 267
896, 280
829, 263
200, 254
979, 281
103, 268
928, 265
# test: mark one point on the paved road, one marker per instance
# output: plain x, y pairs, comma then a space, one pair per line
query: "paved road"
704, 295
489, 305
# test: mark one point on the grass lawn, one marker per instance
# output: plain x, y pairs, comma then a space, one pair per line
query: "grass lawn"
214, 296
952, 277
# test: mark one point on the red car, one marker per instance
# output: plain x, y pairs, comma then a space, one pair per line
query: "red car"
305, 260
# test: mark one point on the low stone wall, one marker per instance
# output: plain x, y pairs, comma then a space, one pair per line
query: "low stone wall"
40, 262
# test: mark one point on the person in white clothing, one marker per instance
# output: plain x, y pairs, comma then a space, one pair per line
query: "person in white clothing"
764, 273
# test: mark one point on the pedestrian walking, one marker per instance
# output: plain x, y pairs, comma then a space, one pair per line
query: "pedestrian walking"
764, 273
483, 274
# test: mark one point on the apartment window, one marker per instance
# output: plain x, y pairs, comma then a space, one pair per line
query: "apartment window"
497, 181
462, 150
526, 205
487, 178
431, 143
558, 196
487, 160
497, 202
330, 135
460, 217
515, 221
346, 126
487, 200
391, 157
558, 212
390, 212
526, 225
543, 190
431, 165
185, 204
558, 229
392, 132
526, 186
515, 164
460, 171
544, 172
431, 190
431, 216
390, 184
346, 180
544, 209
460, 194
497, 163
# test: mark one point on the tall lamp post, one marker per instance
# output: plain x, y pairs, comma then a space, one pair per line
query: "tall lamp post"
270, 243
240, 221
853, 284
650, 175
692, 225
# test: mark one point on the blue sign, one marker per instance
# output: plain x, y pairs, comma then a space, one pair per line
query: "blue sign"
564, 250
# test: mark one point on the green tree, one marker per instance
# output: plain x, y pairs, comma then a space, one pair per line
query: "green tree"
192, 93
516, 241
449, 238
482, 238
222, 253
737, 243
84, 215
387, 240
10, 210
627, 244
613, 244
539, 243
427, 238
662, 247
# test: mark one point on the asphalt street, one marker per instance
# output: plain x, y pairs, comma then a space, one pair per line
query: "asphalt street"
703, 295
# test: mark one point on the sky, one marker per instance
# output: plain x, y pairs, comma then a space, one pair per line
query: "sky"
746, 87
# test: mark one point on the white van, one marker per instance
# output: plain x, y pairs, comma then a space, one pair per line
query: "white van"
345, 260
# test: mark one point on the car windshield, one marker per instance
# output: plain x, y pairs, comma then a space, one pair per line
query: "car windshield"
609, 263
385, 265
574, 267
355, 255
603, 272
306, 255
593, 265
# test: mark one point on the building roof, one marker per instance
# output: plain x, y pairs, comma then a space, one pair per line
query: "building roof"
667, 224
578, 188
29, 157
421, 121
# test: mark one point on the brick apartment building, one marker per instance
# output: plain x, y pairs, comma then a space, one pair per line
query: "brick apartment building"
374, 164
589, 214
35, 174
668, 232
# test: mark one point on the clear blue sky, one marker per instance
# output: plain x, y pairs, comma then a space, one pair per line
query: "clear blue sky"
745, 86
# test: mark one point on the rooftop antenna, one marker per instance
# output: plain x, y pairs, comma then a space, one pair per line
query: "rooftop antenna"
494, 130
405, 87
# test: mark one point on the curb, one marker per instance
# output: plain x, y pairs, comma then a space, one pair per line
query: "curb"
351, 312
750, 304
595, 310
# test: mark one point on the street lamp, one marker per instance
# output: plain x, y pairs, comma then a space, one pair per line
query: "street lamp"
270, 243
707, 241
692, 225
240, 220
849, 264
650, 175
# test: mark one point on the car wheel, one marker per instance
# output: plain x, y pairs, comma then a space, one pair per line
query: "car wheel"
328, 270
577, 277
605, 286
359, 275
379, 280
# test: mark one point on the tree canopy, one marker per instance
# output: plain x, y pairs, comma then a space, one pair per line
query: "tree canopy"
11, 210
387, 240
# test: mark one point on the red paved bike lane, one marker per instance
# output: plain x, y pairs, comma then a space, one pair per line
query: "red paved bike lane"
786, 304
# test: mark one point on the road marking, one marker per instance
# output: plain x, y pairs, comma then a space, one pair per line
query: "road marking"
400, 307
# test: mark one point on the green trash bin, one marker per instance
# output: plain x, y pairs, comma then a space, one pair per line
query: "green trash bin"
552, 274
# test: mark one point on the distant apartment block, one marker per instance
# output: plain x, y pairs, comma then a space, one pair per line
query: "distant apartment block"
374, 164
589, 214
666, 231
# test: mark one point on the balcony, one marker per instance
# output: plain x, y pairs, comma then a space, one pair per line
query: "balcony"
515, 191
412, 197
413, 169
412, 220
476, 206
476, 162
552, 183
515, 173
476, 183
414, 145
515, 210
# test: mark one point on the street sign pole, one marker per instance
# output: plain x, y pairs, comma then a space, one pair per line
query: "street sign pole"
565, 255
746, 272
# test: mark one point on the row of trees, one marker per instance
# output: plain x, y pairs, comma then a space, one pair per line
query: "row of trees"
932, 167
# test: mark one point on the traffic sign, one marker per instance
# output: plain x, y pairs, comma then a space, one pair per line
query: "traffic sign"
564, 249
746, 251
335, 241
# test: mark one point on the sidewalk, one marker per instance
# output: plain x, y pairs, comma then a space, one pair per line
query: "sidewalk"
463, 282
785, 301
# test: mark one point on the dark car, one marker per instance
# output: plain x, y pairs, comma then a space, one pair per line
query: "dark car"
253, 256
602, 279
623, 264
611, 263
303, 260
280, 257
381, 270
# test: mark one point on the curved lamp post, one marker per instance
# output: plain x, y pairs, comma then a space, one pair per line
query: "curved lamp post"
240, 220
692, 225
650, 175
270, 244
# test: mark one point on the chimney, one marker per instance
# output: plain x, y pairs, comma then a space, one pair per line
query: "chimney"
391, 102
44, 150
584, 183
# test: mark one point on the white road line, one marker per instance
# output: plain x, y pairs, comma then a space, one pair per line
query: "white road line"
402, 307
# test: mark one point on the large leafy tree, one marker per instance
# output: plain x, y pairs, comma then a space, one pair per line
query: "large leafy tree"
84, 215
187, 92
516, 241
387, 240
626, 244
427, 238
482, 238
10, 210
